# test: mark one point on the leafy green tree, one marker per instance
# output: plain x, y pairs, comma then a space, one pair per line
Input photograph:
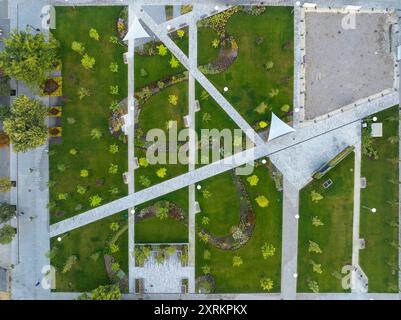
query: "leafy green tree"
114, 190
206, 255
206, 194
113, 169
171, 250
83, 92
81, 189
180, 33
29, 57
113, 67
78, 47
173, 99
161, 213
215, 43
143, 73
113, 39
162, 50
316, 267
5, 184
94, 34
253, 180
143, 162
285, 108
95, 200
96, 134
206, 269
7, 234
73, 152
88, 62
114, 90
266, 284
268, 250
161, 173
7, 211
84, 173
113, 148
317, 222
237, 261
144, 181
262, 201
205, 220
174, 63
261, 108
206, 117
315, 196
313, 286
109, 292
268, 65
26, 124
114, 248
314, 247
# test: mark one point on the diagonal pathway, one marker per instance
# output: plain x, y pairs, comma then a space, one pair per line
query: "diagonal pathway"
161, 32
302, 135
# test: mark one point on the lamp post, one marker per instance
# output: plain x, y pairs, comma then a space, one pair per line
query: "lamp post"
373, 210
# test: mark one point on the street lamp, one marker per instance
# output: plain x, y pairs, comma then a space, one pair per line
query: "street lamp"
373, 210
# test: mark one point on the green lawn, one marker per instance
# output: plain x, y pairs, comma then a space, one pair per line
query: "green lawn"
334, 238
206, 53
87, 273
380, 229
223, 210
248, 82
73, 24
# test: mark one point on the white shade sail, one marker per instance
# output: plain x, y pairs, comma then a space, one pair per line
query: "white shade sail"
136, 31
278, 128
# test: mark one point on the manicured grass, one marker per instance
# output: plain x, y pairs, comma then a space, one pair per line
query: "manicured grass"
381, 228
248, 82
153, 230
334, 238
73, 24
206, 53
86, 274
245, 278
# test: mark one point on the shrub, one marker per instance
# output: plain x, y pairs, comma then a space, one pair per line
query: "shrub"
261, 108
317, 222
113, 168
205, 220
84, 173
206, 194
274, 92
94, 34
114, 248
263, 124
162, 50
144, 181
5, 184
143, 162
71, 120
206, 269
262, 201
215, 43
171, 250
61, 167
7, 234
73, 152
315, 196
96, 134
113, 67
268, 250
114, 90
285, 108
206, 255
268, 65
266, 284
161, 173
115, 266
161, 213
109, 292
180, 33
253, 180
7, 211
143, 73
78, 47
88, 62
313, 286
113, 148
237, 261
81, 189
113, 39
114, 190
95, 200
314, 247
173, 99
62, 196
174, 63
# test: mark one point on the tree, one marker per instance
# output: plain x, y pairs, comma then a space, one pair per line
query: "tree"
316, 267
206, 254
206, 194
393, 139
115, 266
313, 286
206, 117
109, 292
266, 284
7, 234
261, 108
173, 99
96, 134
205, 221
113, 67
174, 63
26, 124
113, 169
162, 50
28, 57
161, 213
143, 73
268, 250
113, 148
5, 184
114, 190
262, 201
263, 124
144, 181
81, 189
95, 200
315, 196
253, 180
161, 173
274, 92
84, 173
114, 90
88, 62
268, 65
94, 34
314, 247
143, 162
285, 108
78, 47
237, 261
171, 250
206, 269
317, 222
7, 211
180, 33
215, 43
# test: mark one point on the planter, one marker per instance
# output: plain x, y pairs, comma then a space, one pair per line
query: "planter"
54, 112
52, 87
55, 132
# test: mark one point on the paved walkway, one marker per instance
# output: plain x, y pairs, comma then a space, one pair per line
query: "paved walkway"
270, 148
289, 253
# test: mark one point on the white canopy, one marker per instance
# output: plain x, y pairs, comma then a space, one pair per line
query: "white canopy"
136, 31
278, 128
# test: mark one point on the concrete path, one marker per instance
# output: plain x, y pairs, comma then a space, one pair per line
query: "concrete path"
289, 253
270, 148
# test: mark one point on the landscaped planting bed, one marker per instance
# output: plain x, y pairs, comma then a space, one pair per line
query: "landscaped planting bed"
379, 259
325, 230
233, 219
